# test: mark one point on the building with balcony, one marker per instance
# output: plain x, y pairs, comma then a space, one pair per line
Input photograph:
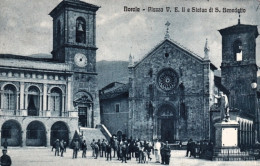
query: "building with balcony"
44, 99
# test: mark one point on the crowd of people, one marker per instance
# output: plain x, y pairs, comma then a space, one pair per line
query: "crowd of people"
120, 149
202, 149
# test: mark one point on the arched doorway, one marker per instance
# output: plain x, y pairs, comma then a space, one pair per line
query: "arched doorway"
166, 123
11, 131
33, 101
83, 102
36, 134
59, 130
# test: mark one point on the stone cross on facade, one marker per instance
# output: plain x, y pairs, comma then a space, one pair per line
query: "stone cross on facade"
167, 36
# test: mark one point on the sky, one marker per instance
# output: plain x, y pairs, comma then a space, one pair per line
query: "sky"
26, 27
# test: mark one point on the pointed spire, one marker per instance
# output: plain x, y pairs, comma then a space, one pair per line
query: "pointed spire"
238, 17
206, 50
131, 62
167, 35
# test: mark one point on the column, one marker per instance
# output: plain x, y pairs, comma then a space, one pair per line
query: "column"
69, 84
44, 101
63, 106
1, 96
23, 138
40, 109
48, 138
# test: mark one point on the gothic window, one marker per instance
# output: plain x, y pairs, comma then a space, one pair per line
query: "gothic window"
9, 98
33, 101
80, 30
56, 102
237, 48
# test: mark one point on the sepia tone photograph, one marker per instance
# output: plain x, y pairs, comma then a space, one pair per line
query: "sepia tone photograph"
96, 82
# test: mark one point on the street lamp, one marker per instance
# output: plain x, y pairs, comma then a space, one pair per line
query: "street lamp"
254, 86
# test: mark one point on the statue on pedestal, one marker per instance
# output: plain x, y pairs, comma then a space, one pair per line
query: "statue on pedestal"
224, 107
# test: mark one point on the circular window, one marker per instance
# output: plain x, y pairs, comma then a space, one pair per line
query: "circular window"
167, 79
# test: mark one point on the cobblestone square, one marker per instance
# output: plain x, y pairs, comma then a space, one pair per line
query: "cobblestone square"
45, 157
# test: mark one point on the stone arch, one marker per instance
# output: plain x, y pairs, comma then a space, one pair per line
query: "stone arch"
59, 130
54, 86
36, 134
165, 122
11, 131
33, 85
9, 97
9, 83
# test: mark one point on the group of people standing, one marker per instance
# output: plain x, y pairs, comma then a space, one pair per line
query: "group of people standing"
202, 149
60, 147
122, 149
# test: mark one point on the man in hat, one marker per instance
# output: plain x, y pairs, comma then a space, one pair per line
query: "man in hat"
5, 160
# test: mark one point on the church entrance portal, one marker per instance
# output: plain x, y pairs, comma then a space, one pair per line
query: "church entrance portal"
84, 104
166, 123
83, 116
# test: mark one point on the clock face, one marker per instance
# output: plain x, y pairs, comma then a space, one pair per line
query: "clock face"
167, 79
80, 60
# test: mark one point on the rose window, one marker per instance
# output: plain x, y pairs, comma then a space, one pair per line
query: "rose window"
167, 79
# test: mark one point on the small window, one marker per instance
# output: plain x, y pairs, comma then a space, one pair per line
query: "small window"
117, 107
237, 48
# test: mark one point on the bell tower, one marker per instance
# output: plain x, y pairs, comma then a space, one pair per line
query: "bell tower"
74, 43
238, 67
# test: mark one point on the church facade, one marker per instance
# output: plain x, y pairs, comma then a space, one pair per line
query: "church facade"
175, 94
47, 99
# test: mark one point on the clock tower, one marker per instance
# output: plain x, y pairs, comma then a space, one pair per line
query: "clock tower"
74, 43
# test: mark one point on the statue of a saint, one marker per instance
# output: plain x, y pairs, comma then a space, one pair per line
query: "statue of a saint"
224, 107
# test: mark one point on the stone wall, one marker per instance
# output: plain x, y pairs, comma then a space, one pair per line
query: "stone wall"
194, 75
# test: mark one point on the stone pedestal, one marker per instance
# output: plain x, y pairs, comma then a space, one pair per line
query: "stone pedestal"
226, 134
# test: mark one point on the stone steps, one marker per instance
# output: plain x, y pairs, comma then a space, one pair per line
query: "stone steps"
89, 134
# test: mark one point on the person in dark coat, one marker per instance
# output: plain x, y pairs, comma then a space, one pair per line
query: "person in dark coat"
84, 149
167, 153
162, 152
99, 146
96, 150
61, 148
108, 151
103, 148
75, 149
5, 160
123, 151
57, 147
189, 148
